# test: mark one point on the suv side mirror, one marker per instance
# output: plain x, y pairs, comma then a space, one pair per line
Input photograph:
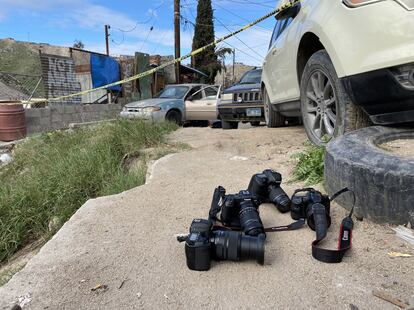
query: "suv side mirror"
190, 98
291, 12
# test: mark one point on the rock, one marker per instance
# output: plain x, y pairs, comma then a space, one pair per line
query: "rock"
6, 158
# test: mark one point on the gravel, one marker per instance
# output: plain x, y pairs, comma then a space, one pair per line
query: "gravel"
126, 243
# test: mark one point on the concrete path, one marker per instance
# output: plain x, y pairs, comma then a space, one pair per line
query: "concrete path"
127, 243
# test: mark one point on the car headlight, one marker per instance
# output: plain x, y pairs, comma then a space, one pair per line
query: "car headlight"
151, 109
124, 109
227, 97
357, 3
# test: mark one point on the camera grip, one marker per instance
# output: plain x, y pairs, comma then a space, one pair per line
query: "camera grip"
216, 203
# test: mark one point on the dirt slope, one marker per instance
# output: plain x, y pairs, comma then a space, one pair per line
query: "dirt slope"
127, 242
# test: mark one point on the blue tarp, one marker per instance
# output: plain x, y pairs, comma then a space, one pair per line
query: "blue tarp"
104, 70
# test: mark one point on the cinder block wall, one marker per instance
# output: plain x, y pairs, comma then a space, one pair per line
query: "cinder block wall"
59, 117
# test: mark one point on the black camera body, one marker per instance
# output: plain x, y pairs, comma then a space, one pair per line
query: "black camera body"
204, 244
266, 186
238, 211
313, 206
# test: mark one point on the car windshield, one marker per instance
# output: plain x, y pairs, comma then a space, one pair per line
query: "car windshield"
173, 92
251, 77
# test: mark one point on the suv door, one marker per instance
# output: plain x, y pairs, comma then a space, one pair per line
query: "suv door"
203, 104
278, 61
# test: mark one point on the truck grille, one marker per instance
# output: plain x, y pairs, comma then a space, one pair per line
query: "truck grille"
247, 97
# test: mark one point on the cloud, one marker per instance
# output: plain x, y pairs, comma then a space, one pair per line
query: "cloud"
90, 16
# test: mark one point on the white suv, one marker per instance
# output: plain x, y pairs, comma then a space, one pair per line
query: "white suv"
341, 65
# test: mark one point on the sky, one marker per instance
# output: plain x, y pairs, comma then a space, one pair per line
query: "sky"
61, 22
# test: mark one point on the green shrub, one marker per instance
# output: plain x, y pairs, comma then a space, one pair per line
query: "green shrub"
310, 165
52, 175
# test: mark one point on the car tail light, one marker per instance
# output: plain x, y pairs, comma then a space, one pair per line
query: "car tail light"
408, 4
356, 3
405, 76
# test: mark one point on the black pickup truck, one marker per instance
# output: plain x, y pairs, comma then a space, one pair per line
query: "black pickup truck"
242, 102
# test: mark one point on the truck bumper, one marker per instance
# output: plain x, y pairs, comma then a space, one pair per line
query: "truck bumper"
238, 112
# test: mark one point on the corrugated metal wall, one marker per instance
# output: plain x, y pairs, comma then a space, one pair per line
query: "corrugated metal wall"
59, 78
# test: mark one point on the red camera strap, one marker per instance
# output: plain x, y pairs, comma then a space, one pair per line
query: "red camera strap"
344, 239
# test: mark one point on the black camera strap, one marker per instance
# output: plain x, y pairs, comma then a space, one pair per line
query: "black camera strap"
344, 239
292, 226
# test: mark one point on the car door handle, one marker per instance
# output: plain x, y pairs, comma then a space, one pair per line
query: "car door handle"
209, 104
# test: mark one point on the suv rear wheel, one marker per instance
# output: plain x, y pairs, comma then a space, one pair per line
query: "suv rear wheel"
272, 118
327, 110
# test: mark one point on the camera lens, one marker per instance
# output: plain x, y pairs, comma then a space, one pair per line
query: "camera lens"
233, 245
278, 196
250, 220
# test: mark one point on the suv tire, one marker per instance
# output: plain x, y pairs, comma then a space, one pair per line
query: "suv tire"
272, 118
229, 125
327, 110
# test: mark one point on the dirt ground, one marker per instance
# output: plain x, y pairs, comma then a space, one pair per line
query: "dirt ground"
126, 242
401, 147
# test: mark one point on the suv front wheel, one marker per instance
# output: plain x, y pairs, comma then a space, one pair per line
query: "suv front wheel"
327, 110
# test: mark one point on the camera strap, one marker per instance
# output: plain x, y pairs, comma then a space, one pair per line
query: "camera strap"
344, 239
292, 226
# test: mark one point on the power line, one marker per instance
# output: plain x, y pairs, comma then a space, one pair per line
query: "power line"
145, 22
261, 56
238, 16
225, 42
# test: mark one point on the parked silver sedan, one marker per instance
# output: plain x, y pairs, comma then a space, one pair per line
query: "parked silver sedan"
177, 103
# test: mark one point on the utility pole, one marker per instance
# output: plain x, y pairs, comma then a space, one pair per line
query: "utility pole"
234, 63
107, 27
177, 38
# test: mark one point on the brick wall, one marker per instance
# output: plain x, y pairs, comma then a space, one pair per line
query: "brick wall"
59, 117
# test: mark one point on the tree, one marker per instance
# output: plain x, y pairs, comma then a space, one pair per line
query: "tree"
206, 61
78, 44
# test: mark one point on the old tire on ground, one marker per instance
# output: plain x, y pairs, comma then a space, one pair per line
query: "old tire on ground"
255, 123
273, 118
229, 125
327, 110
383, 183
174, 116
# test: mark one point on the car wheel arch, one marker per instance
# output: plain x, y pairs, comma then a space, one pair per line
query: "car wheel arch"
309, 44
176, 110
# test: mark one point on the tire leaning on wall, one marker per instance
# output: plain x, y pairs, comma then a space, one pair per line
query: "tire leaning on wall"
383, 183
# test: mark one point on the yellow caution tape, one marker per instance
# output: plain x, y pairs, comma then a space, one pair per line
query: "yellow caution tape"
285, 6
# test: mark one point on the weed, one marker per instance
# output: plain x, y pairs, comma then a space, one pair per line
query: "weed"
53, 174
310, 164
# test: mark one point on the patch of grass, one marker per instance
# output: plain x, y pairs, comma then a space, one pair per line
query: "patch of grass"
53, 174
310, 164
6, 275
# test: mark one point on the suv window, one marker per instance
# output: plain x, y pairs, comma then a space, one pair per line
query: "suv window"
280, 26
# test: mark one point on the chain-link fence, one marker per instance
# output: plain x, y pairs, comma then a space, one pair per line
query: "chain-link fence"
15, 86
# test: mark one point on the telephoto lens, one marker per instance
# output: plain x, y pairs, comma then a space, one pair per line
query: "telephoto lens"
250, 221
234, 245
279, 198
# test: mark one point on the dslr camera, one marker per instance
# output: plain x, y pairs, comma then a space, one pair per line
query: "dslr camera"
204, 244
266, 186
237, 211
313, 206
